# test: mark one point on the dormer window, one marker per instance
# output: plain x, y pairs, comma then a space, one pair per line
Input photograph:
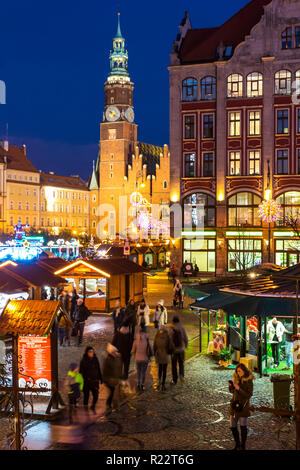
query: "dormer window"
286, 38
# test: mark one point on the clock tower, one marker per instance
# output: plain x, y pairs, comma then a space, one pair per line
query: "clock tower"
118, 132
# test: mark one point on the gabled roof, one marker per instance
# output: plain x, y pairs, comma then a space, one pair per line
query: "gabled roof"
52, 264
200, 45
28, 317
106, 267
33, 274
10, 285
17, 159
71, 182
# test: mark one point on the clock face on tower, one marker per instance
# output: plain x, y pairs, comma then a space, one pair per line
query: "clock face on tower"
129, 114
112, 113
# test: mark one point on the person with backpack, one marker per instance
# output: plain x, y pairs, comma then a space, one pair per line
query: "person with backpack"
160, 315
143, 352
180, 341
143, 314
73, 386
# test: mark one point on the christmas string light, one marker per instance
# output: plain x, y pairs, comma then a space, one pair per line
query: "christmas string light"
269, 211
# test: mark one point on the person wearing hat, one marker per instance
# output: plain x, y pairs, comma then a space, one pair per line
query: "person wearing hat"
73, 386
160, 315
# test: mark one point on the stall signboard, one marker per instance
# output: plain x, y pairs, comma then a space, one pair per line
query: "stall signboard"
35, 362
126, 250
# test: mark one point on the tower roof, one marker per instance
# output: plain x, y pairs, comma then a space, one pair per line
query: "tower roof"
118, 34
119, 56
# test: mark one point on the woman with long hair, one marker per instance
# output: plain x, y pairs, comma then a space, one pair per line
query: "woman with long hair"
142, 351
242, 389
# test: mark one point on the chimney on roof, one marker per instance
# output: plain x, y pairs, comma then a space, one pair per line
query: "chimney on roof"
24, 149
4, 145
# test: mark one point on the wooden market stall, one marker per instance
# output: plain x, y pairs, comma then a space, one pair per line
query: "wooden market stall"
101, 282
31, 326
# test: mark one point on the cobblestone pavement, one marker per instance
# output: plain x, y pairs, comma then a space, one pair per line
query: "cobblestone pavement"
189, 416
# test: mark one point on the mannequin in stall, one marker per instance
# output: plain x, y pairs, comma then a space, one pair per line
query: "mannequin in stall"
275, 330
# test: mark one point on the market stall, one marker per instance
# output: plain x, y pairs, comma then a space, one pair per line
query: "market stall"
102, 282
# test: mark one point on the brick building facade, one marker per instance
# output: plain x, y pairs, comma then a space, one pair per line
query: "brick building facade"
124, 164
235, 133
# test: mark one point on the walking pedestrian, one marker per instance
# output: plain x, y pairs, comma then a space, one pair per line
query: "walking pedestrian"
142, 351
163, 346
123, 341
74, 299
242, 389
180, 341
177, 294
112, 374
288, 344
91, 373
160, 315
63, 335
118, 316
81, 314
130, 315
73, 386
142, 314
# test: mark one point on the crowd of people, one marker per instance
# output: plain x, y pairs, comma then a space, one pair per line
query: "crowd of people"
131, 339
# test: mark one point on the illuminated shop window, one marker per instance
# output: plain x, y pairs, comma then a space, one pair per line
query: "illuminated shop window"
243, 210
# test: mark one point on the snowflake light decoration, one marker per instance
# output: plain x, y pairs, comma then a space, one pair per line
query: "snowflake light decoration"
269, 211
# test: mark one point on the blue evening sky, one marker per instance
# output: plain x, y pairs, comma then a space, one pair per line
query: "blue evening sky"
55, 60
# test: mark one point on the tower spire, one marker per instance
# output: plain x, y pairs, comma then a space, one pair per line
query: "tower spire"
119, 56
119, 34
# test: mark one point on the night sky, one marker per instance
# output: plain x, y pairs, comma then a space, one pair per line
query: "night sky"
55, 60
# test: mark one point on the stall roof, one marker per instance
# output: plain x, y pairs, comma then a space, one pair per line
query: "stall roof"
10, 285
52, 264
217, 301
33, 274
28, 317
107, 267
262, 306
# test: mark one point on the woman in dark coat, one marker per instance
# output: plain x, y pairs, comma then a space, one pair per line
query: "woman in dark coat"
123, 341
90, 370
163, 347
118, 316
130, 316
242, 389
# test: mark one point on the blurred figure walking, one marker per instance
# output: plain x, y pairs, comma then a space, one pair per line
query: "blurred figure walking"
142, 351
163, 347
91, 373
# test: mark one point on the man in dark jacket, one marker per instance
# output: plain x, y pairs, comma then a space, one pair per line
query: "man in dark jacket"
123, 341
112, 373
180, 340
91, 373
81, 314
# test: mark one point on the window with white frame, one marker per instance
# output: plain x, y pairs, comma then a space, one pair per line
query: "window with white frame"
254, 123
235, 85
254, 84
254, 162
234, 163
283, 82
235, 124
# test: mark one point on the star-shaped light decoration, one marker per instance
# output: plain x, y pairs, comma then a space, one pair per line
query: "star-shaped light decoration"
269, 210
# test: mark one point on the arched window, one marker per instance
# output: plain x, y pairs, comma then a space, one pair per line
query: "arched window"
254, 84
189, 89
290, 203
199, 211
208, 88
297, 77
235, 85
283, 82
165, 184
242, 210
286, 38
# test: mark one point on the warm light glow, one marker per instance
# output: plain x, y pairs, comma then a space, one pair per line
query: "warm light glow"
268, 194
174, 198
220, 196
252, 275
173, 241
269, 210
74, 232
76, 263
143, 185
2, 265
134, 230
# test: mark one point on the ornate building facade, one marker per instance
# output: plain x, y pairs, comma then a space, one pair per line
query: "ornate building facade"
124, 166
235, 135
